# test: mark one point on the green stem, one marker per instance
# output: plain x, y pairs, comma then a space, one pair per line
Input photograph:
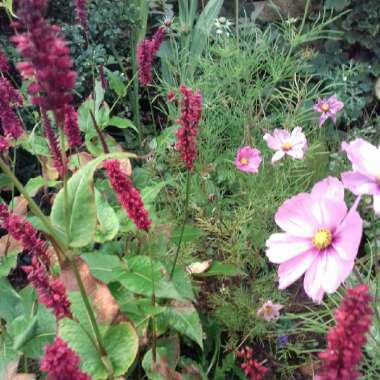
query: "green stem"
153, 321
64, 249
237, 6
100, 345
32, 204
183, 224
65, 193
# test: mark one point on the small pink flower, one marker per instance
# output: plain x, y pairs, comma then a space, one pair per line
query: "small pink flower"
248, 159
270, 311
321, 239
365, 176
328, 107
294, 144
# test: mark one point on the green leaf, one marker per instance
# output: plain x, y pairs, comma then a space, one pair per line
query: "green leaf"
7, 354
35, 184
116, 83
190, 233
168, 351
32, 331
143, 276
220, 269
121, 345
102, 266
81, 209
5, 181
150, 193
7, 263
10, 301
99, 94
108, 221
183, 317
203, 27
122, 123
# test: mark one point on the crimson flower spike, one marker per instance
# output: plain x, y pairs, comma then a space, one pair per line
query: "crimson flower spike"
61, 363
127, 195
50, 291
146, 51
191, 111
46, 59
346, 340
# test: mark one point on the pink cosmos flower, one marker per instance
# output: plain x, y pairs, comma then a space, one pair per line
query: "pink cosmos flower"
321, 239
328, 107
365, 176
283, 143
270, 311
248, 159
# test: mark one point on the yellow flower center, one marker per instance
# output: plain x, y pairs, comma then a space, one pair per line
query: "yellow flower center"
286, 146
322, 238
268, 309
325, 107
244, 161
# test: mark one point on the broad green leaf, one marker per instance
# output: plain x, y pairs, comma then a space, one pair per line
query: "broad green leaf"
32, 331
35, 184
5, 181
7, 354
121, 345
140, 312
8, 5
182, 282
116, 83
220, 269
109, 224
183, 317
7, 263
35, 144
122, 123
203, 28
99, 94
143, 277
10, 301
102, 266
168, 352
190, 233
84, 117
81, 209
150, 193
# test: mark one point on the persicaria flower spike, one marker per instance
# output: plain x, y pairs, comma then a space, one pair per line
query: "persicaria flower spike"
4, 67
191, 112
321, 239
346, 340
145, 54
53, 145
81, 14
71, 128
127, 195
252, 368
50, 291
328, 108
10, 124
293, 144
46, 59
270, 311
248, 159
364, 178
61, 363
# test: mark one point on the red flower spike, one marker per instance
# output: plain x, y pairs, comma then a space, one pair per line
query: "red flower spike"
53, 145
146, 51
81, 14
252, 368
191, 111
346, 340
10, 124
61, 363
4, 67
46, 59
50, 291
127, 195
71, 128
